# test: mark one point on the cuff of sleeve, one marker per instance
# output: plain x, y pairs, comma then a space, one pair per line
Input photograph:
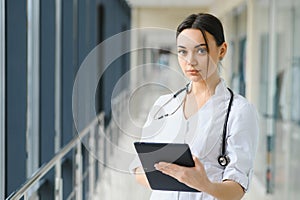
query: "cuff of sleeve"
238, 177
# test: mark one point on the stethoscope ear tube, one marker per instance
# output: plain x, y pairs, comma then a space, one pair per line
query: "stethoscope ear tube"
178, 92
186, 88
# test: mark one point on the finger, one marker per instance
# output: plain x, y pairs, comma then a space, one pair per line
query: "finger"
166, 165
161, 165
167, 169
196, 160
198, 163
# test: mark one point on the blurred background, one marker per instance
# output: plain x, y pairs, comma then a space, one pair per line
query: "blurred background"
44, 154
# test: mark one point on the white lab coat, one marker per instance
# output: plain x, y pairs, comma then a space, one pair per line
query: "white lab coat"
203, 132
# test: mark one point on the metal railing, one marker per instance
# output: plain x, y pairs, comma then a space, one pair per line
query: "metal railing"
98, 138
36, 180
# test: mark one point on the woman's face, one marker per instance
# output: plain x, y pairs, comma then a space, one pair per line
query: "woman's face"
196, 63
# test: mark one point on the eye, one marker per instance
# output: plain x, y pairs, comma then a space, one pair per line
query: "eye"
182, 52
202, 51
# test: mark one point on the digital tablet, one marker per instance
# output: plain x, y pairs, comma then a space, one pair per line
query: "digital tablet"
151, 153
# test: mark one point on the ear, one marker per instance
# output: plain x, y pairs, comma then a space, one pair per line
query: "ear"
222, 50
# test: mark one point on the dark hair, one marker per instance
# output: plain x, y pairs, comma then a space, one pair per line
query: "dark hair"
204, 22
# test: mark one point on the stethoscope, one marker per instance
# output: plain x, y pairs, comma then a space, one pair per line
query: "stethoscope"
223, 159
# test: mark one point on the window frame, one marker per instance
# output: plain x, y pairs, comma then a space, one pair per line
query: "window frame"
33, 86
2, 99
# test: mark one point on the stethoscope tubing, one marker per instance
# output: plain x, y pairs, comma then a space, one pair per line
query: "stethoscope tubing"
223, 159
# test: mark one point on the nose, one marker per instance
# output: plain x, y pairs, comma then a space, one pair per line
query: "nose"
190, 59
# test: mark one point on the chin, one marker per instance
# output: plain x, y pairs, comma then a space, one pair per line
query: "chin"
196, 78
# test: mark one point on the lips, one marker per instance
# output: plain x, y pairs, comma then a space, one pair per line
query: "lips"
192, 71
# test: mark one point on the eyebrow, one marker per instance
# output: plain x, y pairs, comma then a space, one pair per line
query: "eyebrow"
199, 45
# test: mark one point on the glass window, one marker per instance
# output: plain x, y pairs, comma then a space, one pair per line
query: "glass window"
262, 57
285, 80
294, 133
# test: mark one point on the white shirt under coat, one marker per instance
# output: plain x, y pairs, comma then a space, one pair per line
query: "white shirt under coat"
203, 132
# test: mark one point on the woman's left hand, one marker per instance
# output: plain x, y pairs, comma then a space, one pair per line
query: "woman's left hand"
194, 177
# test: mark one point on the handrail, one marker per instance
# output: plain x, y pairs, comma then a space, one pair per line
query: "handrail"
58, 156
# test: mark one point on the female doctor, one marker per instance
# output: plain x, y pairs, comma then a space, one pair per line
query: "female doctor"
197, 116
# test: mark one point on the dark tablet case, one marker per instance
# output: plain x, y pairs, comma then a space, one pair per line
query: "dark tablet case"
151, 153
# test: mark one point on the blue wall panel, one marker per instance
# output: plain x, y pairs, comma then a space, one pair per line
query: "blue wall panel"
117, 16
69, 63
47, 93
16, 96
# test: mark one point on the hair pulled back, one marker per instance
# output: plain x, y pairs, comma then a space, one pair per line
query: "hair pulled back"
204, 22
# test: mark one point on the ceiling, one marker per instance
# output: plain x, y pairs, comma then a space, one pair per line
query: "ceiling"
169, 3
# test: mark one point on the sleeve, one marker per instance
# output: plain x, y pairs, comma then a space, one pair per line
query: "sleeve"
134, 164
149, 129
242, 143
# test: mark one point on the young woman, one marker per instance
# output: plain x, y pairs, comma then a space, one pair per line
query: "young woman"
223, 168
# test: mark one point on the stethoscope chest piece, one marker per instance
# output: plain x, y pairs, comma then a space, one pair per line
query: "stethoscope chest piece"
223, 160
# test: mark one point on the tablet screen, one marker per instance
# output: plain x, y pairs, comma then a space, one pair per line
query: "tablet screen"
151, 153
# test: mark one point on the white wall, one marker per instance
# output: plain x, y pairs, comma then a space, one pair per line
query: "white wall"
161, 17
246, 26
220, 8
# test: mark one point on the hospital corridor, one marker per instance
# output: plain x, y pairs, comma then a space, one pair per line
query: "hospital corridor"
79, 78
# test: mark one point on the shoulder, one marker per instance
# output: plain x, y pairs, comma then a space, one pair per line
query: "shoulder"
160, 102
168, 100
242, 109
243, 120
241, 103
162, 99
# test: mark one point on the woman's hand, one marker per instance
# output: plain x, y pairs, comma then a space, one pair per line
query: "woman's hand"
141, 177
194, 177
